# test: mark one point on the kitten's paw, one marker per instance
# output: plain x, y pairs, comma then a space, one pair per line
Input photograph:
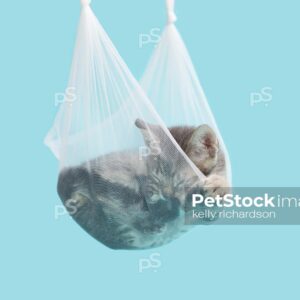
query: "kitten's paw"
216, 185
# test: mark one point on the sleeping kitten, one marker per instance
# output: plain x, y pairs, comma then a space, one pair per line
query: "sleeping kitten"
127, 202
202, 147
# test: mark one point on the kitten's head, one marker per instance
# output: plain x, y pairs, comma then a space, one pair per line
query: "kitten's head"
203, 148
200, 144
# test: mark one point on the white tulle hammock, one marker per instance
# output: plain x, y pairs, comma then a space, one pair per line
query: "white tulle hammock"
131, 154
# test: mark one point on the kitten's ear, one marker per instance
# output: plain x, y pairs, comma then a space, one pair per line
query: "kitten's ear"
140, 124
148, 131
204, 138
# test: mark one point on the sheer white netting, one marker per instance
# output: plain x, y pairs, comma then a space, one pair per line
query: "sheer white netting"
171, 83
124, 175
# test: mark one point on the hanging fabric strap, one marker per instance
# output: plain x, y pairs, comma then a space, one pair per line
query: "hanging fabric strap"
85, 2
170, 11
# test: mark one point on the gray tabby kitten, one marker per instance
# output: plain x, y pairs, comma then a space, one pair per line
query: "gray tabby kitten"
126, 202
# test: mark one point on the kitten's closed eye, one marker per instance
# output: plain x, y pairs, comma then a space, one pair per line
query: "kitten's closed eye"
152, 197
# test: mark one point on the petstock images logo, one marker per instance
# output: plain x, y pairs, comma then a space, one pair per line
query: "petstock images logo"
244, 206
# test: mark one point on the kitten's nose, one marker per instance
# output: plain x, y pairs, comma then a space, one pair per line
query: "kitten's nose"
167, 193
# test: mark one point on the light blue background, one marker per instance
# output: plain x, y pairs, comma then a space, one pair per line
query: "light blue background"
238, 47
